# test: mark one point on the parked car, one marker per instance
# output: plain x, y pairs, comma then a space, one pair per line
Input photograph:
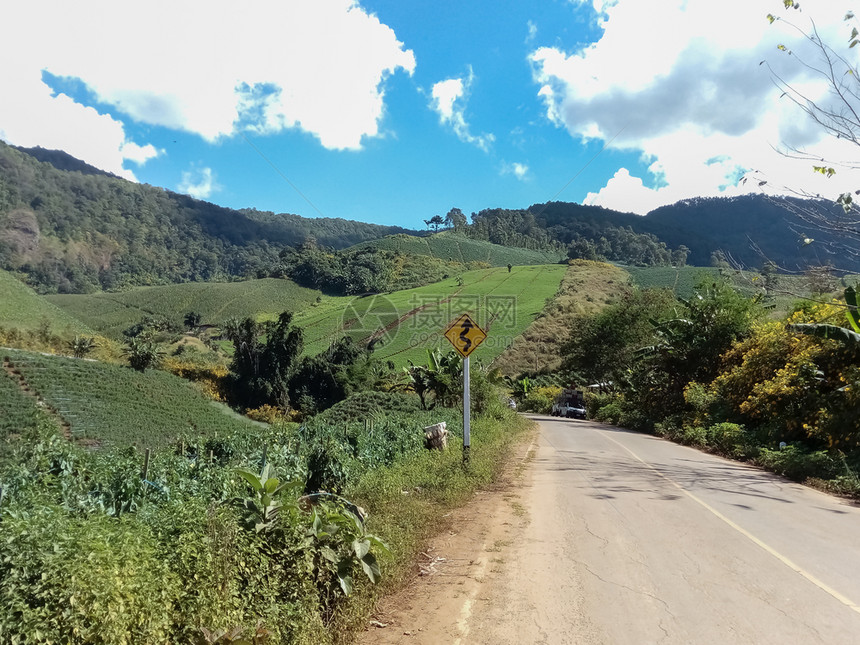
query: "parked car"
569, 404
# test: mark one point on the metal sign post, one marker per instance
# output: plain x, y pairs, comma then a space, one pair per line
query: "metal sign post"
467, 409
465, 335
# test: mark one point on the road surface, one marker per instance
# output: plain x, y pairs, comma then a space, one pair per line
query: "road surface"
616, 537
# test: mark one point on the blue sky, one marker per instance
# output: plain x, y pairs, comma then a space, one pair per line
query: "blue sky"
392, 111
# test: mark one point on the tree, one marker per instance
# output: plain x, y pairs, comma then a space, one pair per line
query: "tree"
838, 114
689, 347
261, 369
81, 345
456, 220
679, 256
143, 352
192, 320
434, 222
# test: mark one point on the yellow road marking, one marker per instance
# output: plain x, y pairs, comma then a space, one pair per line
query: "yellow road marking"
787, 562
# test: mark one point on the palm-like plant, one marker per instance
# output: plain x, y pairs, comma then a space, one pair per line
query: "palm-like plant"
849, 335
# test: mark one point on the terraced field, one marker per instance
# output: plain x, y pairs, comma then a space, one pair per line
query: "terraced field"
406, 323
111, 313
681, 280
22, 308
448, 246
103, 404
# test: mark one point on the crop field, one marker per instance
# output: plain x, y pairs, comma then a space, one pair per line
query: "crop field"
407, 323
447, 246
22, 308
113, 405
111, 313
681, 280
18, 411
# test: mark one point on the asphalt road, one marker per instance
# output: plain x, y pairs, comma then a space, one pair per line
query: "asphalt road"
632, 539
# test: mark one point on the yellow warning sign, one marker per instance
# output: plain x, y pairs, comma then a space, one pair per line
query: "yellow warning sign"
465, 335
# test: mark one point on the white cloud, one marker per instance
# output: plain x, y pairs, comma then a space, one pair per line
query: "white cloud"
680, 83
518, 170
32, 116
206, 67
448, 99
199, 183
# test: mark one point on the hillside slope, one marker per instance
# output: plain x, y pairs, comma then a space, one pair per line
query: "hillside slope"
406, 323
585, 288
73, 232
111, 313
457, 248
22, 308
101, 404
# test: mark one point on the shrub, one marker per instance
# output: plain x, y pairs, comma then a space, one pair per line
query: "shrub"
799, 463
610, 413
730, 439
695, 436
596, 400
83, 580
540, 399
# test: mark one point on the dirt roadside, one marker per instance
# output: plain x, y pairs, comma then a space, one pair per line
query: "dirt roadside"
459, 567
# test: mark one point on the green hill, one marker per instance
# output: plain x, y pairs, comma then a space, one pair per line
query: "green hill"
102, 404
74, 232
406, 323
24, 309
450, 246
111, 313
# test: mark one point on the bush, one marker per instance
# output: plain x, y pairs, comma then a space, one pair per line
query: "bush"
540, 399
610, 413
83, 580
730, 439
695, 436
634, 420
596, 400
799, 463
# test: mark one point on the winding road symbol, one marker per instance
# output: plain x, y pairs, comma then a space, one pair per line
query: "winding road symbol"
465, 335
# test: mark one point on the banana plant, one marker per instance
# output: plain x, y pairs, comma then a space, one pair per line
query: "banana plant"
849, 335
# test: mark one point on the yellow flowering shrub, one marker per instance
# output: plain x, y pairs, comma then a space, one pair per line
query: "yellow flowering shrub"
797, 386
209, 379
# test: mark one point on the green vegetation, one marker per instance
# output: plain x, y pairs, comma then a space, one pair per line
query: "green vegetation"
215, 302
451, 247
587, 287
712, 371
682, 281
71, 232
115, 406
404, 324
241, 540
23, 309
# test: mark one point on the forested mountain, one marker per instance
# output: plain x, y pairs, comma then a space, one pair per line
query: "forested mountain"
748, 228
68, 227
76, 230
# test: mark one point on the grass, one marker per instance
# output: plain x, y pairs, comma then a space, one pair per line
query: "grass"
408, 501
111, 313
409, 322
585, 288
116, 406
453, 247
22, 308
